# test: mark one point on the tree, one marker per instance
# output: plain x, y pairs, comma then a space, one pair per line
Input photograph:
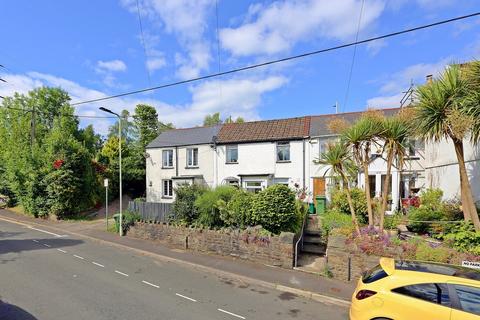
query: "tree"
442, 113
146, 122
337, 160
129, 132
394, 134
238, 120
359, 138
213, 119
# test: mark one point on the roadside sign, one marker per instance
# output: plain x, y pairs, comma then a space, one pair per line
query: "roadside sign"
471, 264
105, 183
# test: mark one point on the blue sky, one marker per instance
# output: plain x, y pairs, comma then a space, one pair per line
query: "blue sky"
93, 49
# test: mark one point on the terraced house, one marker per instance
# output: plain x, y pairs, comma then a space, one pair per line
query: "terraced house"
254, 155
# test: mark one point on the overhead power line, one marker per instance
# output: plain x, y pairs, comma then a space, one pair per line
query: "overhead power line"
143, 43
306, 54
347, 91
59, 114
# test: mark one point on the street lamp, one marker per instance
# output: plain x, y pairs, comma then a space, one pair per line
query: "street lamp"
119, 160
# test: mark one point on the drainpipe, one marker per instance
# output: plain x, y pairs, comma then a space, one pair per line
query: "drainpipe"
215, 162
303, 141
176, 161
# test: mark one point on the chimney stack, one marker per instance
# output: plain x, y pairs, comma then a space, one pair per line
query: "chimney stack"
429, 78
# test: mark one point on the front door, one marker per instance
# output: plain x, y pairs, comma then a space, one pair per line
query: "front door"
318, 187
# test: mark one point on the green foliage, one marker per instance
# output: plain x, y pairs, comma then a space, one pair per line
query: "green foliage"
435, 254
210, 203
212, 119
184, 205
128, 219
432, 208
146, 122
334, 219
238, 211
274, 208
392, 221
340, 203
464, 238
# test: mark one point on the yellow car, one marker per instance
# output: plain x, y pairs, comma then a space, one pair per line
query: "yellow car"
413, 290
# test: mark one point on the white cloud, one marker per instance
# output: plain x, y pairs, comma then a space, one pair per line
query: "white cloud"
392, 91
112, 66
154, 64
186, 20
235, 97
279, 26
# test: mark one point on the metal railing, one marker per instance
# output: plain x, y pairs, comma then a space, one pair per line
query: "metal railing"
300, 240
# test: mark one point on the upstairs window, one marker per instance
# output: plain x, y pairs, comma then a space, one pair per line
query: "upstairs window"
283, 151
167, 158
192, 157
232, 154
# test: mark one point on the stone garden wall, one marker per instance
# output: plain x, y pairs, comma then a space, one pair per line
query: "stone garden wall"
344, 265
246, 244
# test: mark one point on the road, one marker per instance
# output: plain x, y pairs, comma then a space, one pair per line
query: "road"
55, 276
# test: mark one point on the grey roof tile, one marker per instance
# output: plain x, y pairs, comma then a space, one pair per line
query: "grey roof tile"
185, 137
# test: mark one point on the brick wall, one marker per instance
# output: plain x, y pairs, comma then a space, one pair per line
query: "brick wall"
247, 244
338, 256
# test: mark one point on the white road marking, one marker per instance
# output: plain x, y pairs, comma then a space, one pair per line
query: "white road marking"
185, 297
62, 250
35, 241
231, 313
123, 274
47, 232
150, 284
46, 245
78, 257
98, 264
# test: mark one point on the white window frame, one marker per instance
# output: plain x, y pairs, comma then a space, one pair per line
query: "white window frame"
253, 188
191, 163
168, 192
283, 143
229, 148
284, 181
165, 158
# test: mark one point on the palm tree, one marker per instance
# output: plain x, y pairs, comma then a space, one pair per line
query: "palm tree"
337, 159
359, 138
441, 113
395, 133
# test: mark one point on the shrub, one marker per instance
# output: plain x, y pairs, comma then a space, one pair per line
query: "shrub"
238, 211
392, 221
334, 219
432, 199
184, 206
340, 203
422, 213
464, 238
274, 208
128, 219
425, 252
210, 203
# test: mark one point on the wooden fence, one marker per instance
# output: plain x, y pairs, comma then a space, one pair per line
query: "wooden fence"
151, 211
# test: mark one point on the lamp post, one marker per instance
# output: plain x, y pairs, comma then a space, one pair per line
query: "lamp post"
119, 160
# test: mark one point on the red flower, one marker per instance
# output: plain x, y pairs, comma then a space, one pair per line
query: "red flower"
58, 163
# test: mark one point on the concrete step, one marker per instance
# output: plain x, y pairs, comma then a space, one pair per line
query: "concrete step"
312, 239
311, 263
313, 248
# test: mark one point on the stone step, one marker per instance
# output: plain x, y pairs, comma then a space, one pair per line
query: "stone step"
313, 233
312, 239
313, 248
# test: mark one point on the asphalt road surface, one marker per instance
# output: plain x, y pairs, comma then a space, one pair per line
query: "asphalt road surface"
54, 276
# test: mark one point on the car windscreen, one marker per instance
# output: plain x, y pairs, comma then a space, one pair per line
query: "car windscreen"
374, 274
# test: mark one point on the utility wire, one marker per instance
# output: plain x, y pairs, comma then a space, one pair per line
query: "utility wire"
306, 54
347, 91
143, 44
60, 114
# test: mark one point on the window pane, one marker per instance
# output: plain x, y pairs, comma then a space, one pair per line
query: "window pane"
195, 157
431, 292
232, 154
469, 298
283, 151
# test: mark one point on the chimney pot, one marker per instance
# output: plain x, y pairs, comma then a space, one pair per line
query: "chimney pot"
429, 78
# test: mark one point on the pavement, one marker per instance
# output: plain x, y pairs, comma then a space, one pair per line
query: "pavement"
89, 273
